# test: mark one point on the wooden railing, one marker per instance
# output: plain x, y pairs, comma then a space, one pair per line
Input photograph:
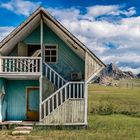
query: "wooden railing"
71, 90
54, 77
19, 64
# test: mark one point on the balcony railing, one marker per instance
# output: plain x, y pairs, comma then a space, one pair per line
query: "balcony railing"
26, 65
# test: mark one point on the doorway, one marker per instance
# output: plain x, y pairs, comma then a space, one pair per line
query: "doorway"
32, 103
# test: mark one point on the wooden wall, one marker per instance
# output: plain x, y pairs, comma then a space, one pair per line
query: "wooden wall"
71, 111
15, 98
68, 60
47, 89
92, 65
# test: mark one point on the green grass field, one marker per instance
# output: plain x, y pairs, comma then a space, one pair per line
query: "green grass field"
114, 114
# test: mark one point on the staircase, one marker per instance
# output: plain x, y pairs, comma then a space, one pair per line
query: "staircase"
66, 91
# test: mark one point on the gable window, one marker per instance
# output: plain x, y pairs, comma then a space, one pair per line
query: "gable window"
51, 53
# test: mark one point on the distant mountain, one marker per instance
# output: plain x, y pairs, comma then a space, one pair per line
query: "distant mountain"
138, 75
112, 72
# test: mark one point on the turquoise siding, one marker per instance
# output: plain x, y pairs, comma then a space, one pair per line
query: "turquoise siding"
2, 102
15, 98
34, 37
68, 61
34, 100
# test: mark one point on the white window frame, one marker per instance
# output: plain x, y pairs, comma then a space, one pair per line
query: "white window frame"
52, 55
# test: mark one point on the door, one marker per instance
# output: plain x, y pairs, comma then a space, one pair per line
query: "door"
33, 104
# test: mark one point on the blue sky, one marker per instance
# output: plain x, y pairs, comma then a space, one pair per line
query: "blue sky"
110, 28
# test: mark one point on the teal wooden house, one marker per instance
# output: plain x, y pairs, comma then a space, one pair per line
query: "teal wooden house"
44, 73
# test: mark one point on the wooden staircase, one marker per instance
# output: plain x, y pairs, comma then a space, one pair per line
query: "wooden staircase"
65, 95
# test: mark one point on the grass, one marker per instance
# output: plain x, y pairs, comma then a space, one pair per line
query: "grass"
114, 100
114, 114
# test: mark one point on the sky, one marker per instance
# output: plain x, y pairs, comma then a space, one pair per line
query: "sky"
110, 28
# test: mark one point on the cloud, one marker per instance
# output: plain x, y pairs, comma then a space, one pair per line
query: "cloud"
102, 10
21, 7
113, 41
114, 10
4, 31
129, 12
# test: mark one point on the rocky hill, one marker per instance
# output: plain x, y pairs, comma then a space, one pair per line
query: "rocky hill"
138, 75
112, 72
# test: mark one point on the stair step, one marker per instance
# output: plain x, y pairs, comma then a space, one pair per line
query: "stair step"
21, 132
24, 128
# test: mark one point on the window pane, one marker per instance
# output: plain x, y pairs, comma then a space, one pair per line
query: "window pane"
47, 59
53, 52
53, 59
47, 52
50, 47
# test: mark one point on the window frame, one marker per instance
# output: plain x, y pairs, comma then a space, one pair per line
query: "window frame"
45, 48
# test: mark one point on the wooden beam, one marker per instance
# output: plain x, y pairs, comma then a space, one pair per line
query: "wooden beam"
86, 91
41, 69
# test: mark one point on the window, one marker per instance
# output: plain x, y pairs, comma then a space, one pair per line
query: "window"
51, 53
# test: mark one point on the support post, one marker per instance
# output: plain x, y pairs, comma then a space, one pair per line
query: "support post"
1, 64
86, 92
0, 108
41, 69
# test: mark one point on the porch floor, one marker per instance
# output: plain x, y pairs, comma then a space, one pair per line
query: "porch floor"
22, 123
39, 124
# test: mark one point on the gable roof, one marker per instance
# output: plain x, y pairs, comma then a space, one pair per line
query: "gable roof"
32, 22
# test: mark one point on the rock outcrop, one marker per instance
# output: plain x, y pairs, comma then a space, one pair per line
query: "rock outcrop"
112, 72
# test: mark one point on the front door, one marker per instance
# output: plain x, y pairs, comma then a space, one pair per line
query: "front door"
33, 104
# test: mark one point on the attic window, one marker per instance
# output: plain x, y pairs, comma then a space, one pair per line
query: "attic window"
51, 53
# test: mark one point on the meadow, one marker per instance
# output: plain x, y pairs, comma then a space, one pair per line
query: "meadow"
113, 114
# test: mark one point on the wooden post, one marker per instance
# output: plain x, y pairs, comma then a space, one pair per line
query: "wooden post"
86, 91
1, 61
41, 69
0, 107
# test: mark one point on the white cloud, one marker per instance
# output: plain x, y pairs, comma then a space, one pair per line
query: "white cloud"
136, 71
124, 35
102, 10
4, 31
115, 10
129, 12
21, 7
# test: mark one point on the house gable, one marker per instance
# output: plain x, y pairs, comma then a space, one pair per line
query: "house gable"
68, 61
33, 21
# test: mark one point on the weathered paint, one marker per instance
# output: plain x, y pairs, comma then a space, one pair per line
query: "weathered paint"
33, 103
2, 93
34, 37
68, 60
48, 88
34, 100
15, 98
71, 111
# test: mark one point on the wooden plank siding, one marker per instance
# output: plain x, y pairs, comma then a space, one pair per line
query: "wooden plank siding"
71, 111
48, 88
92, 66
68, 60
15, 98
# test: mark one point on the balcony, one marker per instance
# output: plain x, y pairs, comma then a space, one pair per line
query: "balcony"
23, 66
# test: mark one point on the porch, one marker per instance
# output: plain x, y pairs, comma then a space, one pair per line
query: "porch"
19, 100
23, 67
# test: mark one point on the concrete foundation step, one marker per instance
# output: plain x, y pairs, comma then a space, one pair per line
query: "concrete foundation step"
22, 130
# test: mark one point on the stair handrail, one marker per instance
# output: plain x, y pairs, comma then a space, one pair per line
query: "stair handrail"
60, 90
55, 72
55, 93
49, 101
